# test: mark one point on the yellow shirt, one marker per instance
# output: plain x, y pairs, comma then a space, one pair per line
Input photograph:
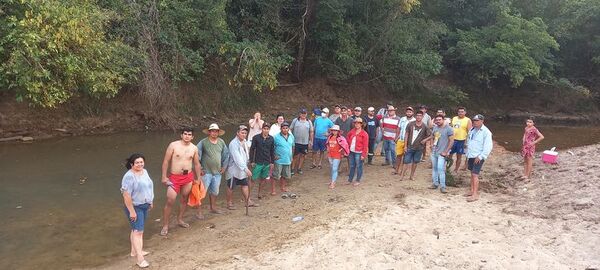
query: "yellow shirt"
460, 128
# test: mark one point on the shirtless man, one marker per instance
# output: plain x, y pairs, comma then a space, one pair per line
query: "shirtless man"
179, 157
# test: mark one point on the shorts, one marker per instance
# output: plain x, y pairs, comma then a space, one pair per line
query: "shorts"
474, 168
211, 183
458, 147
320, 145
231, 183
399, 147
142, 212
282, 171
260, 171
300, 149
180, 180
413, 156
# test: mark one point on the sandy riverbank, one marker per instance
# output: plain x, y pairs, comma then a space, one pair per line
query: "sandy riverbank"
549, 223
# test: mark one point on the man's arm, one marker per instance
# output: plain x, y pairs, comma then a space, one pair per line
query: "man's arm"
165, 164
197, 166
487, 146
224, 157
252, 152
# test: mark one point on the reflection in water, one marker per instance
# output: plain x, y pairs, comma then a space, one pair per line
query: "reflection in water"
511, 136
64, 224
52, 221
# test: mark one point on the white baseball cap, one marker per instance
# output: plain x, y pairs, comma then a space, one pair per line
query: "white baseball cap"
325, 110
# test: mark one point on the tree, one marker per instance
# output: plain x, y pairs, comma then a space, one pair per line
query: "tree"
54, 50
513, 48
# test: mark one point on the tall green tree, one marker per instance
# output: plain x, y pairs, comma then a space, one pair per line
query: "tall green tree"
54, 50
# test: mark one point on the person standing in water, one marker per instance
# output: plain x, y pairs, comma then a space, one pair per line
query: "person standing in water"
138, 196
531, 137
181, 156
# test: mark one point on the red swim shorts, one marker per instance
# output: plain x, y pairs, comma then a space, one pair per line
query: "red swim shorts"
180, 180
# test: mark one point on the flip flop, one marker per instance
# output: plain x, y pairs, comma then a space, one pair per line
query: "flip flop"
231, 207
293, 196
253, 205
143, 264
199, 216
164, 231
313, 166
319, 167
284, 196
183, 225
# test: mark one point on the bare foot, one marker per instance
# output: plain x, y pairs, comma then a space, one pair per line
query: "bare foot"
468, 194
472, 199
231, 207
356, 184
144, 253
216, 211
332, 186
199, 216
347, 183
273, 193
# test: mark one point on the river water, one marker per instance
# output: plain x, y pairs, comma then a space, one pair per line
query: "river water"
52, 221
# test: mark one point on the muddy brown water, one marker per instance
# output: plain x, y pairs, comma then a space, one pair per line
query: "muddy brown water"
51, 221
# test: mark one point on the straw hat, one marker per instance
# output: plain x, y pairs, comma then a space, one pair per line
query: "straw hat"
213, 126
335, 127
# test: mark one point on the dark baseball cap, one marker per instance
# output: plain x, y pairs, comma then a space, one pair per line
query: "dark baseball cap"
303, 110
285, 124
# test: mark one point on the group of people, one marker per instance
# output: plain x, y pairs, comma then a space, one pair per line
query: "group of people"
268, 153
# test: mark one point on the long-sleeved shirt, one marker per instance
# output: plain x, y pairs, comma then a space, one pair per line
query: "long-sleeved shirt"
480, 143
238, 159
262, 150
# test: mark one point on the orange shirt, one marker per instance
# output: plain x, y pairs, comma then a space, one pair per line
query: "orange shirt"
333, 147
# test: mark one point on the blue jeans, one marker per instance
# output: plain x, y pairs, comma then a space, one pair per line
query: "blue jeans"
335, 165
439, 170
355, 164
389, 146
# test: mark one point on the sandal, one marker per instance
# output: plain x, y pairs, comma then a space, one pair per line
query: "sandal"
293, 196
231, 207
183, 225
313, 166
319, 167
143, 264
284, 196
164, 231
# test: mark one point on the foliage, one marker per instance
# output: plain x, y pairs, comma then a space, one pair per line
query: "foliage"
51, 50
57, 49
254, 62
513, 48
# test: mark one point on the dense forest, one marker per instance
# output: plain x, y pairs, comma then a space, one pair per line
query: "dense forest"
53, 50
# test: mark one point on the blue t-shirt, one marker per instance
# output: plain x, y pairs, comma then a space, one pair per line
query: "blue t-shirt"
140, 187
283, 149
322, 126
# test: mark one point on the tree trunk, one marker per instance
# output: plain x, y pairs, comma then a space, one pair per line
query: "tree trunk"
307, 18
